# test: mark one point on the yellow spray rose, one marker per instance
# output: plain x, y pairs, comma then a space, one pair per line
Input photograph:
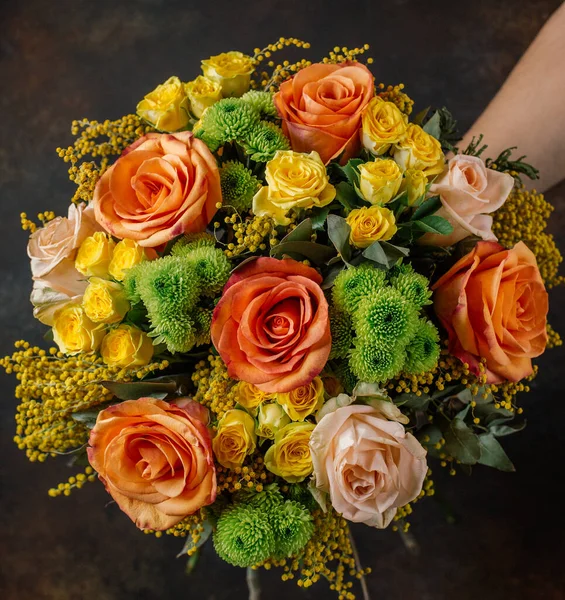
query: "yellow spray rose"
126, 255
304, 400
379, 180
235, 438
369, 225
166, 107
419, 150
289, 456
74, 332
202, 93
250, 397
414, 183
94, 255
232, 70
105, 301
294, 180
271, 418
383, 125
126, 346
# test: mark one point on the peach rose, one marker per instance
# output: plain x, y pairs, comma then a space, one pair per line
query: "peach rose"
370, 466
52, 251
161, 186
469, 192
155, 459
321, 108
493, 305
271, 326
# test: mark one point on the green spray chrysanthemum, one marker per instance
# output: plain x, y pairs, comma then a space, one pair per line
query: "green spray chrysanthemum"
301, 494
211, 142
202, 323
239, 186
130, 283
191, 241
262, 102
342, 334
344, 373
244, 536
268, 499
210, 265
293, 528
422, 353
228, 120
354, 284
177, 332
414, 287
399, 268
264, 140
385, 318
375, 363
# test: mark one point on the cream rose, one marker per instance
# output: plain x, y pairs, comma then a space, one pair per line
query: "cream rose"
370, 466
469, 192
52, 251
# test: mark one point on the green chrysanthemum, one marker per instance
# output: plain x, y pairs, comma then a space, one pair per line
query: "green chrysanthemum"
300, 493
385, 318
210, 266
344, 373
244, 536
267, 500
354, 284
191, 241
177, 332
130, 283
342, 335
228, 120
422, 353
374, 363
212, 142
396, 270
202, 323
414, 287
293, 528
239, 186
263, 140
262, 102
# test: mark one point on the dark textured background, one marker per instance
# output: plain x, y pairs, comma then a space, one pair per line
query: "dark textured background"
63, 59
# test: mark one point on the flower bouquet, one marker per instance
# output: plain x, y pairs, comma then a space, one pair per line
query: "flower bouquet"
275, 303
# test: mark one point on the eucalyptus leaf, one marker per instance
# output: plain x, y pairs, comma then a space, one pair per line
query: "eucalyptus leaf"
419, 118
318, 216
204, 535
384, 254
492, 454
433, 125
412, 401
462, 443
140, 389
434, 224
317, 253
338, 232
500, 427
347, 196
87, 417
428, 207
301, 233
48, 335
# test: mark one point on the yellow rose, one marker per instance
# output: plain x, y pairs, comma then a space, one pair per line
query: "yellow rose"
126, 255
126, 346
369, 225
202, 93
166, 107
419, 150
249, 396
94, 255
379, 180
271, 418
289, 457
294, 180
232, 70
414, 184
235, 438
304, 400
383, 125
105, 301
74, 332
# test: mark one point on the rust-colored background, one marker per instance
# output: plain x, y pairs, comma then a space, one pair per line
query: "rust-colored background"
67, 59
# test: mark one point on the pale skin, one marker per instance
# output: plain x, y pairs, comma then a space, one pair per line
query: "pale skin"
529, 109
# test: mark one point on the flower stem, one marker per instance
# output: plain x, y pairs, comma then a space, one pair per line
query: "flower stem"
364, 587
253, 584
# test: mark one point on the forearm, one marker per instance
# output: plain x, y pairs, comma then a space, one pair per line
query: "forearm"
529, 110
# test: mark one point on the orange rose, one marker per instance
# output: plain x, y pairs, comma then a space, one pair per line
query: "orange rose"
162, 185
271, 326
321, 108
155, 459
493, 304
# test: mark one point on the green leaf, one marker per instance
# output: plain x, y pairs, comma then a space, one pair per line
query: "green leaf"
492, 454
500, 427
317, 253
419, 118
412, 401
384, 254
48, 335
347, 196
189, 544
301, 233
88, 417
338, 232
140, 389
462, 443
433, 126
319, 216
434, 224
428, 207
